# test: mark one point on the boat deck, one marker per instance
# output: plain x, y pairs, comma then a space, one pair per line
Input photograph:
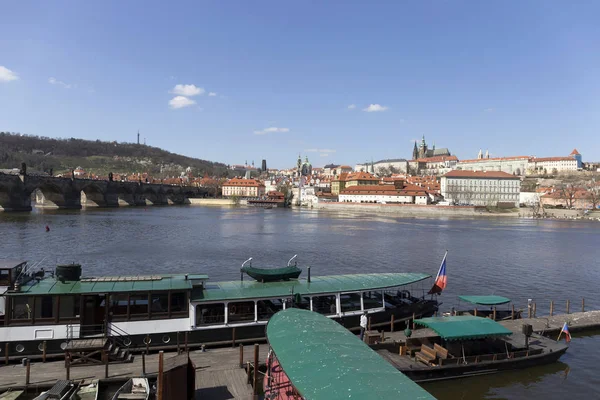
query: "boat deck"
86, 344
218, 376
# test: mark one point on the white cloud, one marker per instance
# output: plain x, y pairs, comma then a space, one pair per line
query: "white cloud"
324, 154
6, 75
319, 151
180, 102
272, 130
212, 94
187, 90
54, 81
375, 108
491, 109
351, 106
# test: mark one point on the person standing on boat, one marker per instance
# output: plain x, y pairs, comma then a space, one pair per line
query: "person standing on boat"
363, 325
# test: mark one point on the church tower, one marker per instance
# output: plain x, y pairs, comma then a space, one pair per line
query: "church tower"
479, 155
415, 154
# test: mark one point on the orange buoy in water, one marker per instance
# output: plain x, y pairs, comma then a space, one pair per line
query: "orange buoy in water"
47, 228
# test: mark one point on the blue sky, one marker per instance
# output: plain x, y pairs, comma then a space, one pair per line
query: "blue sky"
514, 77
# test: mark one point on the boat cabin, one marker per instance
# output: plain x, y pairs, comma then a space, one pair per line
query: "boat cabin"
10, 270
488, 306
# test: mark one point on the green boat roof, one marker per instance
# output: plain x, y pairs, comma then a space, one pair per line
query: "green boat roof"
235, 290
485, 300
464, 327
52, 286
325, 361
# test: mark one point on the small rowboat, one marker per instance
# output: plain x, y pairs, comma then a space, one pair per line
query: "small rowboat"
271, 274
134, 389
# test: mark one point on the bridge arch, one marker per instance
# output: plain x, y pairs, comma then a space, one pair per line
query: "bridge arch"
93, 196
49, 195
125, 196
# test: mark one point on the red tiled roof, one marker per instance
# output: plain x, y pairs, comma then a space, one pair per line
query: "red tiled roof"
345, 167
542, 159
514, 158
364, 176
480, 174
574, 152
341, 177
243, 182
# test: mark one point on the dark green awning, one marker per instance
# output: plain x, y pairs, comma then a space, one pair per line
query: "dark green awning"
485, 300
464, 327
325, 361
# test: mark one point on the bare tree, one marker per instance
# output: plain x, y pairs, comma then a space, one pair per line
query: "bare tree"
593, 194
568, 191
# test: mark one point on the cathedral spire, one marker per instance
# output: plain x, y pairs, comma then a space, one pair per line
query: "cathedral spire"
415, 154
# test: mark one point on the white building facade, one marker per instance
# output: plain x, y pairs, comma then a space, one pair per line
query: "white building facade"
383, 194
481, 188
552, 165
511, 165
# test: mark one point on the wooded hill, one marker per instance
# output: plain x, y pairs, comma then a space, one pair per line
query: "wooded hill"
62, 155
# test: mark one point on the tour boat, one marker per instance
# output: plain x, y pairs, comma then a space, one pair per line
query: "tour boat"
491, 302
464, 346
41, 312
133, 389
312, 357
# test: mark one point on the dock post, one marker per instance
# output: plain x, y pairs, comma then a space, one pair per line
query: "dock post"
534, 309
147, 341
392, 324
475, 311
413, 321
143, 364
582, 305
185, 341
247, 372
68, 366
255, 377
44, 351
568, 306
512, 312
178, 343
6, 354
369, 325
27, 372
494, 313
529, 310
233, 337
551, 307
105, 358
160, 377
241, 356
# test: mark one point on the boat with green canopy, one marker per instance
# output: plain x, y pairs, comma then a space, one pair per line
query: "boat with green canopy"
466, 345
271, 274
312, 357
488, 307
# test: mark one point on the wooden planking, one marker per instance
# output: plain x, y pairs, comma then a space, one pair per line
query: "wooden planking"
86, 344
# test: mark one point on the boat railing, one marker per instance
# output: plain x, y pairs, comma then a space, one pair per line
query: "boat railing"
76, 331
118, 335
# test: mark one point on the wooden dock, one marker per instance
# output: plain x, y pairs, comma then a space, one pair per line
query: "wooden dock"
218, 372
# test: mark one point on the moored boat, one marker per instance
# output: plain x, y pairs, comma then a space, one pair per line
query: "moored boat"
87, 392
464, 346
271, 274
488, 307
133, 389
62, 390
50, 309
12, 395
313, 358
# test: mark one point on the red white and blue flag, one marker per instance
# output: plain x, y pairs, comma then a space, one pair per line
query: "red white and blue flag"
440, 279
565, 330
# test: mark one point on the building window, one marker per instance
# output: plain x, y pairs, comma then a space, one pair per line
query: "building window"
210, 314
240, 311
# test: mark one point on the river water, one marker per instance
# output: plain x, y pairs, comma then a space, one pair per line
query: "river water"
519, 259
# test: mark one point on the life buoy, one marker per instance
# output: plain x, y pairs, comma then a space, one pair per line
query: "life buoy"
232, 310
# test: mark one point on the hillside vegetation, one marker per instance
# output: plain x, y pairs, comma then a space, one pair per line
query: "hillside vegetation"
62, 155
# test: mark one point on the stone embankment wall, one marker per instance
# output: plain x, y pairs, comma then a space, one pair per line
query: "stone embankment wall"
414, 210
215, 202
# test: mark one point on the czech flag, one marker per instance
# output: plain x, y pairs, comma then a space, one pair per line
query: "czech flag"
565, 330
440, 279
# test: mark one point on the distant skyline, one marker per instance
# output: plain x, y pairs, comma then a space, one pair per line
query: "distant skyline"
342, 81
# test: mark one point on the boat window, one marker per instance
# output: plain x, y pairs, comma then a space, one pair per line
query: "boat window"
138, 304
22, 307
118, 305
44, 307
324, 305
350, 302
241, 311
210, 314
4, 277
69, 307
372, 300
267, 308
179, 302
159, 303
303, 303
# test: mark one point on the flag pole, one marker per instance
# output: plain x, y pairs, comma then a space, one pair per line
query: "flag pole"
560, 333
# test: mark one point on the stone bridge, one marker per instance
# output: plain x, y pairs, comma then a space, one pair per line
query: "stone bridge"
53, 192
